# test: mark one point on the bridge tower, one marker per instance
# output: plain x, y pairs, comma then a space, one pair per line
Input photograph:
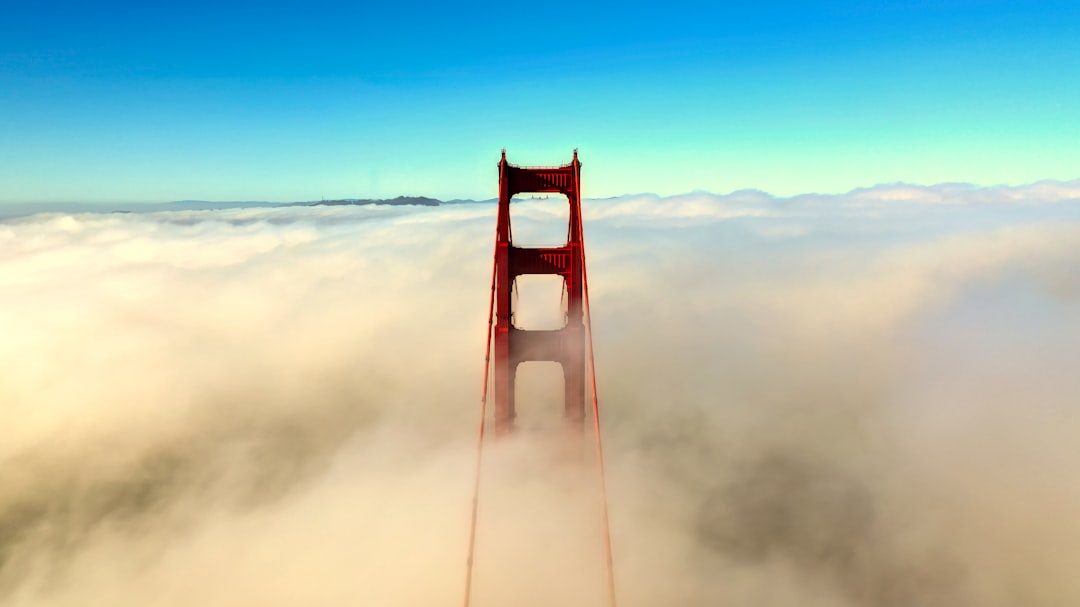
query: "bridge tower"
566, 345
570, 345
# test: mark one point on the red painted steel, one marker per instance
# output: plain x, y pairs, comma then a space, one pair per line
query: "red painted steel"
566, 346
514, 346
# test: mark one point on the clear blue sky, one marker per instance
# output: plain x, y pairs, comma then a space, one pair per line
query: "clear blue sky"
150, 101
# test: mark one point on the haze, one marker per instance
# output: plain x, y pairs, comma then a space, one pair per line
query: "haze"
861, 400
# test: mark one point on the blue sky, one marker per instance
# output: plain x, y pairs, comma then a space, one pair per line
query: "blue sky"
124, 101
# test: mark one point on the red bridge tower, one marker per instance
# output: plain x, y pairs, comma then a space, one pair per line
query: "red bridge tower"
567, 346
513, 346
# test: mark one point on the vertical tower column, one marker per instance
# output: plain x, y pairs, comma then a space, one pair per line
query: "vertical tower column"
504, 370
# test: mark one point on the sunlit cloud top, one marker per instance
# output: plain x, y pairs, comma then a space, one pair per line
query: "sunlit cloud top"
825, 400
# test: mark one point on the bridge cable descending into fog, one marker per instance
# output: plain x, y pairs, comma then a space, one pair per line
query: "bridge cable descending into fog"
571, 346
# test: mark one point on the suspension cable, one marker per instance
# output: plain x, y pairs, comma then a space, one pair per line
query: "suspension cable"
480, 432
600, 474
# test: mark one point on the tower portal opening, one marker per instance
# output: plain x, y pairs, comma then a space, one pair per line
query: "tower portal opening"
539, 302
538, 393
540, 220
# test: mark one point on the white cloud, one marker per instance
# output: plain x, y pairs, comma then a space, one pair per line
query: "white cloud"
275, 406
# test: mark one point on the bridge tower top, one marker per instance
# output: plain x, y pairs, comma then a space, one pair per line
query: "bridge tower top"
564, 179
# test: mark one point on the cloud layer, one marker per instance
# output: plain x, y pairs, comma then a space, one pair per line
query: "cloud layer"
835, 401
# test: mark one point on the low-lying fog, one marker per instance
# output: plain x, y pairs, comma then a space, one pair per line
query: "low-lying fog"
864, 400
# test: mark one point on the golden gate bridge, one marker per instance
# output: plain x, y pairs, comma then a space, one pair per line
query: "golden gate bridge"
571, 346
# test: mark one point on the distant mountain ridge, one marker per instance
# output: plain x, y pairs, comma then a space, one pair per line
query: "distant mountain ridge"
192, 205
23, 209
400, 200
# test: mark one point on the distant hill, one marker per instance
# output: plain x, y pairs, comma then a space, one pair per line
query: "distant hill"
400, 200
10, 210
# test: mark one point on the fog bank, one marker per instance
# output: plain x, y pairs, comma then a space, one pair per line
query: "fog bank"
825, 401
